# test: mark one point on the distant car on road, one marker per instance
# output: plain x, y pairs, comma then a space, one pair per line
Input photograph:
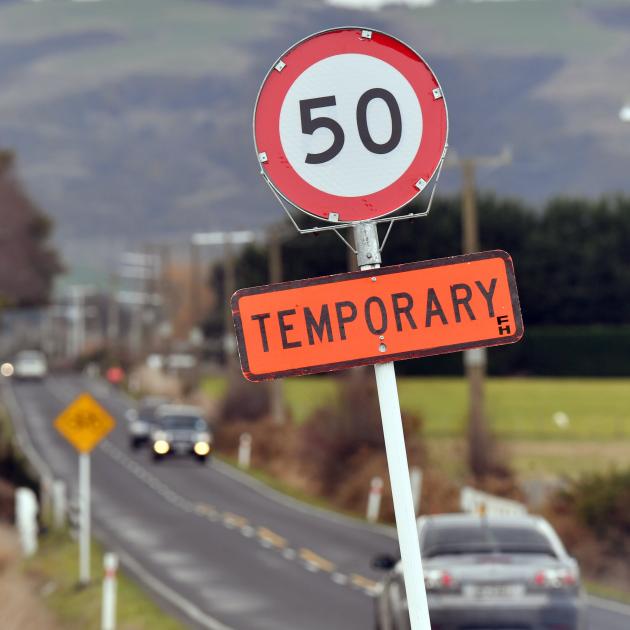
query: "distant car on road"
30, 364
141, 421
488, 572
181, 430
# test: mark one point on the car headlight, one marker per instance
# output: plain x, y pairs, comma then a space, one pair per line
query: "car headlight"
201, 449
6, 369
161, 447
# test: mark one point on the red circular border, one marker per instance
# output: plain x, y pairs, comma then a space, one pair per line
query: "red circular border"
279, 172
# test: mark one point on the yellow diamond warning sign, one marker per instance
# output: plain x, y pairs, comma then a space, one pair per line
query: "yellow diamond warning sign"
84, 423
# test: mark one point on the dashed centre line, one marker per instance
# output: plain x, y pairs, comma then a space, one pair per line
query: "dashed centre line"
271, 538
316, 562
313, 562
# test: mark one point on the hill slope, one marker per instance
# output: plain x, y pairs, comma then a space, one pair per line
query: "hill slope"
132, 119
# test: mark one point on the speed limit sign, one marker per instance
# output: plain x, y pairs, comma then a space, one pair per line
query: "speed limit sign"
350, 125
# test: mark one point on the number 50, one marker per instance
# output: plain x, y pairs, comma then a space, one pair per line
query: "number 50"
310, 125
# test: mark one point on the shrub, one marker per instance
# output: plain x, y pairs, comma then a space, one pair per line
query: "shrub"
340, 436
600, 502
244, 400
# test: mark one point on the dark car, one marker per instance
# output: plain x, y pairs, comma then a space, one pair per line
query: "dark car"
181, 430
141, 421
488, 572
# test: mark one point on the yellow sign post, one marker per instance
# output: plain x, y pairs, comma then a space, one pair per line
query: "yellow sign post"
84, 423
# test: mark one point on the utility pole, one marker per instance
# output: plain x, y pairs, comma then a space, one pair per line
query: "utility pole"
113, 318
194, 285
475, 362
229, 286
275, 275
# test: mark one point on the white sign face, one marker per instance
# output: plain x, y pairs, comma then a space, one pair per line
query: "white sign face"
351, 125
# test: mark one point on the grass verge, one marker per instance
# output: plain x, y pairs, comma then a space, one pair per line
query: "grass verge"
607, 592
55, 568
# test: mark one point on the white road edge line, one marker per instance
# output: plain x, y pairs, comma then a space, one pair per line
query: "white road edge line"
610, 605
187, 607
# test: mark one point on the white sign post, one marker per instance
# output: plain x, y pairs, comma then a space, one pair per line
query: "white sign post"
369, 257
84, 518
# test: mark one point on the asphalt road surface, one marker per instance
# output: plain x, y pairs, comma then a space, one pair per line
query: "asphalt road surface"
218, 550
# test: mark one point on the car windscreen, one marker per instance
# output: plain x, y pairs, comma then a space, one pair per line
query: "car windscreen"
31, 356
190, 423
484, 538
147, 413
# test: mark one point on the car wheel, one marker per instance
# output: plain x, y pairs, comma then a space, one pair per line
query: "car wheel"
202, 459
157, 458
135, 444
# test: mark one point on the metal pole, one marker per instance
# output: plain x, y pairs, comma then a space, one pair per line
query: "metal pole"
275, 275
84, 519
369, 257
229, 286
113, 316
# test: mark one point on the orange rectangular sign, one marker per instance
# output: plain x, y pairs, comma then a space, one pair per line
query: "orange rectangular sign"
365, 317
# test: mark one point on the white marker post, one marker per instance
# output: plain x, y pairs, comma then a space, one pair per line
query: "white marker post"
108, 606
374, 500
59, 504
245, 451
369, 257
84, 519
415, 474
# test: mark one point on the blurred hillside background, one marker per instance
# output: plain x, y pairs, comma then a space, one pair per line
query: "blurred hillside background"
131, 118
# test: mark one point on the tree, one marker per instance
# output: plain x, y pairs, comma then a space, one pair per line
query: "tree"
28, 263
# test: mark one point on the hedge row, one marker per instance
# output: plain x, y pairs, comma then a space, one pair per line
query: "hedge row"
545, 351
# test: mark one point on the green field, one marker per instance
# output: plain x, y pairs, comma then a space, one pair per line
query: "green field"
518, 408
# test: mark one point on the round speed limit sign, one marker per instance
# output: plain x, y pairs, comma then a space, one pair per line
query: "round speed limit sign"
350, 125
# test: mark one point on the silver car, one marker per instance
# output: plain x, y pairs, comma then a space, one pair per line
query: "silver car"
488, 572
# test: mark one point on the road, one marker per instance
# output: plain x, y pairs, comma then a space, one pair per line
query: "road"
219, 550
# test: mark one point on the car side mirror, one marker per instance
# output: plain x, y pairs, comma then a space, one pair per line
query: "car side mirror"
384, 562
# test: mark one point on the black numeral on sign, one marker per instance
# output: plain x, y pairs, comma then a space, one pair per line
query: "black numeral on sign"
310, 125
362, 124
